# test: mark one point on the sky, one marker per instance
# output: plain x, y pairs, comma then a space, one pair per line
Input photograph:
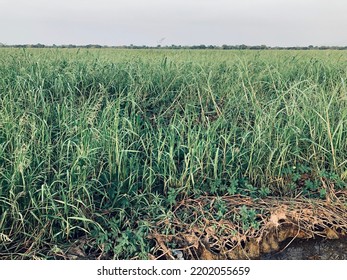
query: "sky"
179, 22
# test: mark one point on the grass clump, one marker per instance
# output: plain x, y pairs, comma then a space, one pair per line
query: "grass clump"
101, 144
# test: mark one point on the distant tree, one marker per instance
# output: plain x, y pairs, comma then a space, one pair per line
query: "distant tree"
263, 47
243, 47
39, 45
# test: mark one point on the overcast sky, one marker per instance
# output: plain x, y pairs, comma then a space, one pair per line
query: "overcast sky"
180, 22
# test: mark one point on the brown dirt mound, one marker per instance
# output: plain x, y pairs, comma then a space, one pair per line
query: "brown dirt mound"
238, 227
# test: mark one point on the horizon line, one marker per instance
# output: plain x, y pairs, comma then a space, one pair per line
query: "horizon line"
180, 46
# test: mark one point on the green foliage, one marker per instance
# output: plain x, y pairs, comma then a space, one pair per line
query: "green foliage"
308, 182
248, 218
103, 143
220, 208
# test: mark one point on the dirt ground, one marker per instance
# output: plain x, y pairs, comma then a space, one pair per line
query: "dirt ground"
312, 249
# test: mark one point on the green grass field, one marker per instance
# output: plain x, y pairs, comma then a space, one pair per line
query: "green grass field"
99, 145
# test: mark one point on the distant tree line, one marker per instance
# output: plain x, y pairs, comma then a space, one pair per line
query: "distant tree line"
194, 47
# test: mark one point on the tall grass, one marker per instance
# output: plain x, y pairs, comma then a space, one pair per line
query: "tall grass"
101, 143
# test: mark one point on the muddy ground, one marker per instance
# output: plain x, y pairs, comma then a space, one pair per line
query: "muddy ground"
312, 249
